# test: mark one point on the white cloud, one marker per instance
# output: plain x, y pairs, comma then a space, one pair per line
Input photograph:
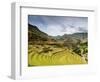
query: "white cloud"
54, 30
59, 25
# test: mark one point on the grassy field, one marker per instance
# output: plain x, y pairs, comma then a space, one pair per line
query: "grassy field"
41, 55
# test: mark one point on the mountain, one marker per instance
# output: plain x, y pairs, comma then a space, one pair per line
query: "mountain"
75, 35
34, 34
72, 40
69, 40
80, 36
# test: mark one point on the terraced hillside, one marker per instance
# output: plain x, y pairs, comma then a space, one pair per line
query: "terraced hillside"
59, 50
49, 55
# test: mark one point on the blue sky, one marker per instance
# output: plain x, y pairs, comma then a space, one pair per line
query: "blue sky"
59, 25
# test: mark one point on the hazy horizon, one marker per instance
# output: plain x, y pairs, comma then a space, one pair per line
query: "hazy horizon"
59, 25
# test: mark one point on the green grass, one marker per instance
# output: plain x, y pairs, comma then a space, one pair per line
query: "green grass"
48, 55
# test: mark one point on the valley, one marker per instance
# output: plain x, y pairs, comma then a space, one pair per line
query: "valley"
44, 49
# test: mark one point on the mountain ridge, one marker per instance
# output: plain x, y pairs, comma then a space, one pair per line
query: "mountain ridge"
34, 34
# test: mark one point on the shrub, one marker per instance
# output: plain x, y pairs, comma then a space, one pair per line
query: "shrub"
46, 49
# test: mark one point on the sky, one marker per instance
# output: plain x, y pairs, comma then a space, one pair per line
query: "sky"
59, 25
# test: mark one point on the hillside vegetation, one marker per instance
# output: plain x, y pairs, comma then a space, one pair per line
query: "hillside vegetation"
56, 50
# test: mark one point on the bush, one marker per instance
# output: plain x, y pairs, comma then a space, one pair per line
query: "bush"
81, 49
46, 49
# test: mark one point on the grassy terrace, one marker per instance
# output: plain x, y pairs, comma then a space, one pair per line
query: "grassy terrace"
41, 55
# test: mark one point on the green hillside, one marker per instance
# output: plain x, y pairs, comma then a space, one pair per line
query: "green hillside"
34, 34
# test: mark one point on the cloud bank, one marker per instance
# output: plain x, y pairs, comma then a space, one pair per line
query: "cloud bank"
59, 25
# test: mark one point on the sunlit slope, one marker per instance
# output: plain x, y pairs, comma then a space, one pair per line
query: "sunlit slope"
56, 56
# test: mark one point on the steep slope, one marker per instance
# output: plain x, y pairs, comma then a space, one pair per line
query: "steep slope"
34, 34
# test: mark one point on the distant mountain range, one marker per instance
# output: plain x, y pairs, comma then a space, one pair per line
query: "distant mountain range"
80, 36
34, 34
